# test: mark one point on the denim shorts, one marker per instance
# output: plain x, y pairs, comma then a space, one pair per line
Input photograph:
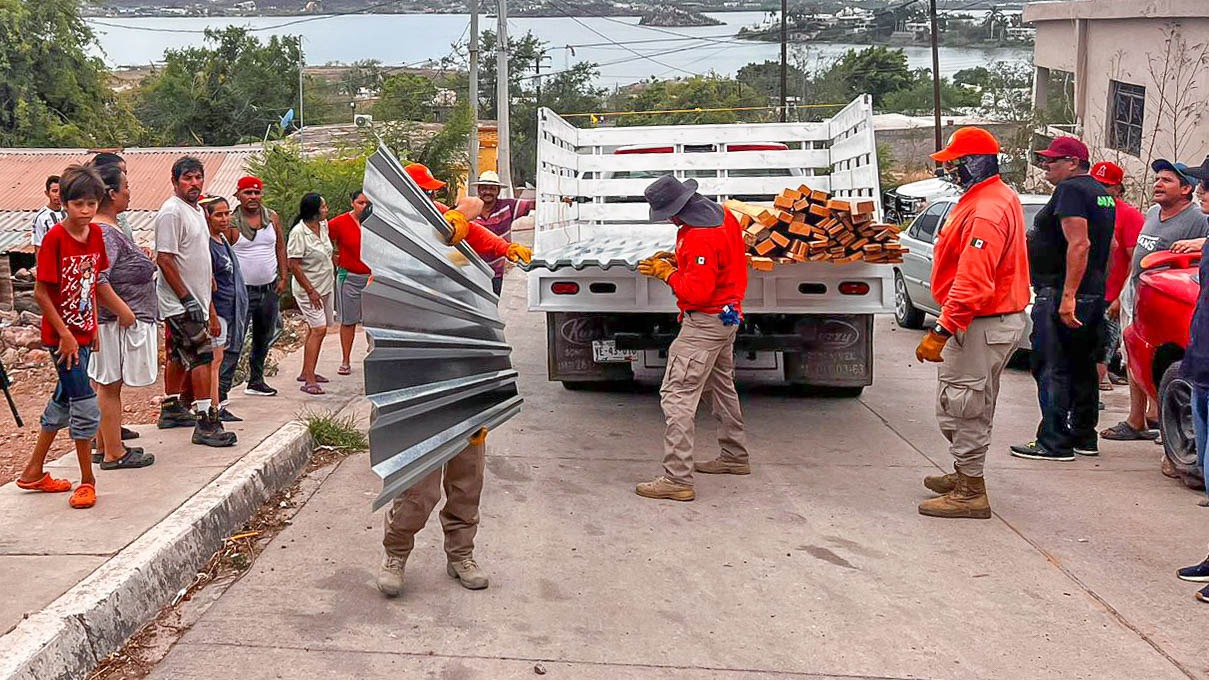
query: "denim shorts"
74, 404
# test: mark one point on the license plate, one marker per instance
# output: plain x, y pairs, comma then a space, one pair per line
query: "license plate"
606, 352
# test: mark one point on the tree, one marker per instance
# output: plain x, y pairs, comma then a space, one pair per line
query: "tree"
406, 96
52, 93
917, 97
693, 98
568, 91
877, 71
765, 78
230, 91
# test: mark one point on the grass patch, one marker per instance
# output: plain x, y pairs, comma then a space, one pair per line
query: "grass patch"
332, 431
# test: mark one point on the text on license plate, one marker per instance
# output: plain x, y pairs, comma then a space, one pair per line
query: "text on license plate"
606, 352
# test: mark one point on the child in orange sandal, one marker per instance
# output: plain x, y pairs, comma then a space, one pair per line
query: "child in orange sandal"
69, 282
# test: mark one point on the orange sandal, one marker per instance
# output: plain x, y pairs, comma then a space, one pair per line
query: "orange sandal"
47, 484
85, 496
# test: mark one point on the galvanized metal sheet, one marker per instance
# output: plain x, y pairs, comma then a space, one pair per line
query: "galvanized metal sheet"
438, 368
613, 246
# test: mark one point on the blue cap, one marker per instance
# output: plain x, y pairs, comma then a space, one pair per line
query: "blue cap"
1179, 169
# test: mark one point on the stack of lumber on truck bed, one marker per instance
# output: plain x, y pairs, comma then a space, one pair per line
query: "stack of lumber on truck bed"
807, 225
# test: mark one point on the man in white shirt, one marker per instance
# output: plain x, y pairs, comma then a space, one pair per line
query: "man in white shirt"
184, 287
50, 214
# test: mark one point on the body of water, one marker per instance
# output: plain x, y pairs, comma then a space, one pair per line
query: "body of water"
625, 51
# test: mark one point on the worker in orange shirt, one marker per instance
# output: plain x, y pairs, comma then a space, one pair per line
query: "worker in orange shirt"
461, 477
980, 278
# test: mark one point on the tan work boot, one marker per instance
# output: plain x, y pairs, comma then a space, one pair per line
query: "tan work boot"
967, 499
665, 489
721, 466
941, 484
468, 573
390, 575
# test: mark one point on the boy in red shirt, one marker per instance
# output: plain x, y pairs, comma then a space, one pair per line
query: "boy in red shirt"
1125, 234
71, 263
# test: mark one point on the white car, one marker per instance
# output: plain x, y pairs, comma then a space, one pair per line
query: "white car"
913, 299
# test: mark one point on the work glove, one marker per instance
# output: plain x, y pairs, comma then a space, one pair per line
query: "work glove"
479, 438
461, 226
517, 251
658, 268
194, 309
664, 255
931, 346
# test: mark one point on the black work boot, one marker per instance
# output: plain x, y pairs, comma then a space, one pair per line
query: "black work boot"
174, 413
208, 430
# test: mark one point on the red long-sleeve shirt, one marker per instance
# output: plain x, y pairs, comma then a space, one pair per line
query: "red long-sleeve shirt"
481, 240
711, 267
980, 261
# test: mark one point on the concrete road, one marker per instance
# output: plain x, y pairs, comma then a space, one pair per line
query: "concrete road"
815, 566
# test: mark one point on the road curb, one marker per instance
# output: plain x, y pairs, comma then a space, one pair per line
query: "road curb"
74, 633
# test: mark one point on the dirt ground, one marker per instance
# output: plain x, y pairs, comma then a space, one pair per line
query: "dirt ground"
31, 389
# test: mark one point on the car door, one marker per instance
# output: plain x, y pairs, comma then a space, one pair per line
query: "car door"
917, 264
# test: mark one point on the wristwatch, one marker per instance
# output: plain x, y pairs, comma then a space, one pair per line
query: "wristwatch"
942, 331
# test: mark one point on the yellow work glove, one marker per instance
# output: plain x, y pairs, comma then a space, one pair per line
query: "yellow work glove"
658, 268
664, 255
517, 251
931, 346
479, 438
461, 226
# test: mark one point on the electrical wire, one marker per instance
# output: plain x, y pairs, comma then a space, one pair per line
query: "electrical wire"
563, 9
250, 29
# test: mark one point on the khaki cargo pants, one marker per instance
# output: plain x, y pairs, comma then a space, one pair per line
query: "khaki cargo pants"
462, 479
700, 360
969, 386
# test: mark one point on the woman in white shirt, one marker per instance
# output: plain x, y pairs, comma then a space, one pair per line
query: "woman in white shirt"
310, 252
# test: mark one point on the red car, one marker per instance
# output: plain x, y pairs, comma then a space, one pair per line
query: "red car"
1155, 344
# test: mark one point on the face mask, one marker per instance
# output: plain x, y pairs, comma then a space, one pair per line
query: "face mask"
369, 210
970, 170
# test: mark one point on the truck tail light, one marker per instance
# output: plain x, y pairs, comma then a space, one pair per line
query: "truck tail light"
854, 288
564, 288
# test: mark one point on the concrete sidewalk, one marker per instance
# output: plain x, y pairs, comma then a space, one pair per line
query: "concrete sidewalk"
160, 522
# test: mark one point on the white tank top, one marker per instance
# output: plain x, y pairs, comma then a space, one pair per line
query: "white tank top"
258, 257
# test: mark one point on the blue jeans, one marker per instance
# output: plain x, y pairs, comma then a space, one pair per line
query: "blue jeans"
1200, 423
74, 404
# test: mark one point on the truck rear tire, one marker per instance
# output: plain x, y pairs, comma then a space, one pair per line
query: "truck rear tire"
599, 385
827, 391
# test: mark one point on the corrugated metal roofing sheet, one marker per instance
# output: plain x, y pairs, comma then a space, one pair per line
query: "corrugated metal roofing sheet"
439, 368
15, 229
23, 172
606, 253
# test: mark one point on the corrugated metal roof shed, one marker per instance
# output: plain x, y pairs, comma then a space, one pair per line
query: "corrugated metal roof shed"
15, 229
23, 172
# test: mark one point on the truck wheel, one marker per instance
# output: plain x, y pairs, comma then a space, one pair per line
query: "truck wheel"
905, 313
826, 391
1175, 421
599, 385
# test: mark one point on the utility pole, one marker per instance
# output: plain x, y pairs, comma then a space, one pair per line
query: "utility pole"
935, 76
502, 99
785, 62
301, 68
472, 159
541, 55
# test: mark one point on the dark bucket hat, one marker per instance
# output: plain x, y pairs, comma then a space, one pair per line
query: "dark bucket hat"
669, 197
1200, 172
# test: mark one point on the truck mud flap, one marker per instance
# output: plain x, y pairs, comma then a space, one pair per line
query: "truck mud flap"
837, 351
569, 338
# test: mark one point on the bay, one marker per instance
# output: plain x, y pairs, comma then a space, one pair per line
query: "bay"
625, 51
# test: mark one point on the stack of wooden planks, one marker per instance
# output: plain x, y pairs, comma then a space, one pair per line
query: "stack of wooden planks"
808, 225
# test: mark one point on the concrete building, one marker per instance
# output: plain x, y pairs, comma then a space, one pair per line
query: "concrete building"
1140, 73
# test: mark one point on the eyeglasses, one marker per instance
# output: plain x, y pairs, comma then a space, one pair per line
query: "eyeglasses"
1046, 160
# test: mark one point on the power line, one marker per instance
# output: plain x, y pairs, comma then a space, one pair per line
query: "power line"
250, 29
563, 9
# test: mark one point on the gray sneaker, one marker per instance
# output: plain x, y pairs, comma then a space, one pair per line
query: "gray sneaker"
468, 573
390, 575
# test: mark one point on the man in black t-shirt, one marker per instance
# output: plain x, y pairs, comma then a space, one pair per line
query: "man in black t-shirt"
1068, 247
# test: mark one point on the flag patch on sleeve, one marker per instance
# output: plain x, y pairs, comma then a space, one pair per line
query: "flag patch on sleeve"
977, 243
700, 260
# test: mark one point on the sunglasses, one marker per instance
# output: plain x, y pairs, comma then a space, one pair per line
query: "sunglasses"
1046, 160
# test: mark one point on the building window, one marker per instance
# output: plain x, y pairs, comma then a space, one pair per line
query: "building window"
1127, 107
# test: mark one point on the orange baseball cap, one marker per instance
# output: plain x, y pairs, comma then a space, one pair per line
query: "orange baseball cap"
422, 176
968, 141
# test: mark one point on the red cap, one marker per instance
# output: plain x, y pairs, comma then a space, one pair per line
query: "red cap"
249, 182
1066, 147
968, 141
422, 176
1108, 173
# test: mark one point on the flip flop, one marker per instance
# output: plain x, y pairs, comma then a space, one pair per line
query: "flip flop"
85, 496
98, 457
318, 379
47, 484
312, 388
1124, 432
344, 369
134, 458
